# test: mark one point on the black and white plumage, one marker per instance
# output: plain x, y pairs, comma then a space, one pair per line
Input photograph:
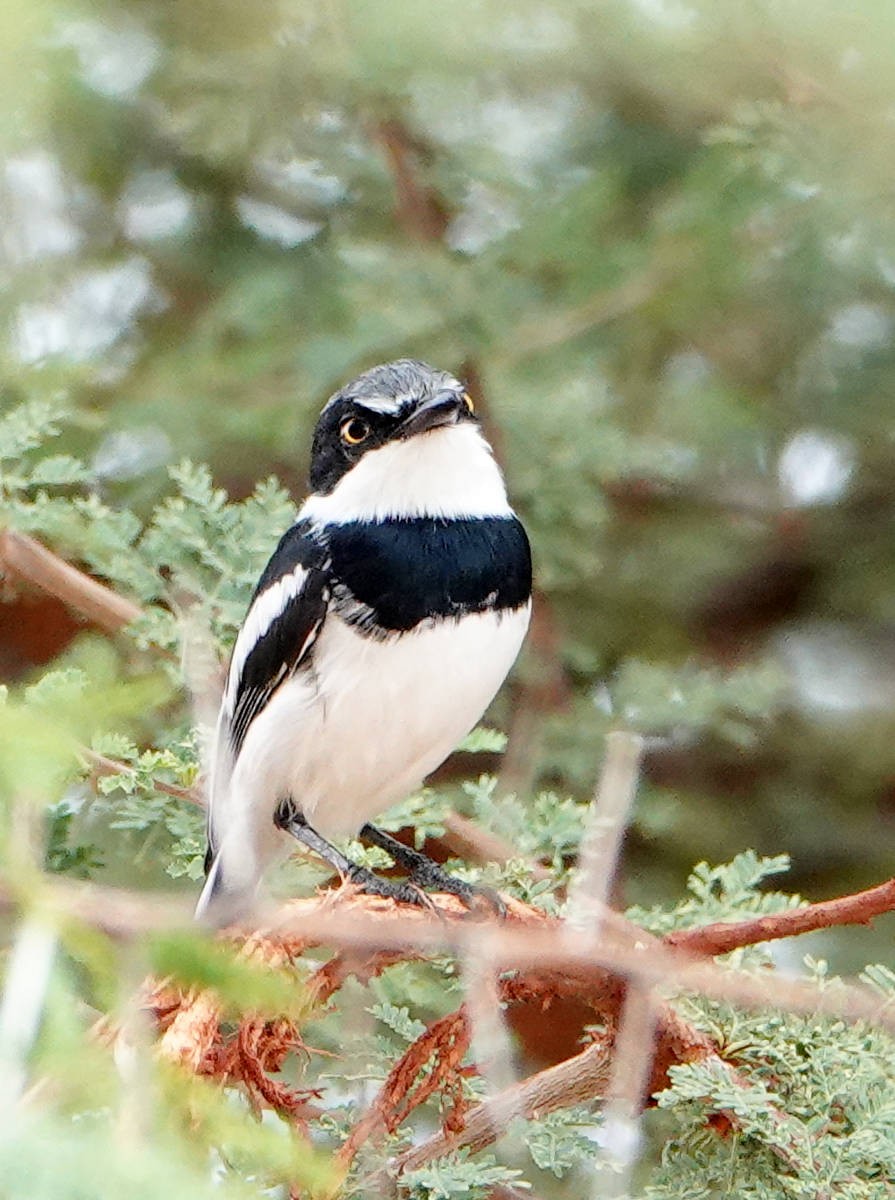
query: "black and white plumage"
380, 630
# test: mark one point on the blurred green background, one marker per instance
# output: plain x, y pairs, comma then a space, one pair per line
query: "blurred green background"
657, 239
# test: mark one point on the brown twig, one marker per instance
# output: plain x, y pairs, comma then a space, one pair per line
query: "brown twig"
102, 765
629, 1086
571, 1082
33, 563
606, 824
443, 1044
720, 938
327, 980
419, 208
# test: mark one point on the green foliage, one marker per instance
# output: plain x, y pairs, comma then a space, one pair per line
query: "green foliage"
722, 893
561, 1142
398, 1020
61, 855
425, 812
810, 1106
138, 803
24, 428
482, 739
459, 1177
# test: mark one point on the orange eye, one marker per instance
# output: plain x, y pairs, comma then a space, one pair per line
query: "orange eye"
354, 430
469, 403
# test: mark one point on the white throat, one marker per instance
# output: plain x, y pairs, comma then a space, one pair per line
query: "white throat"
448, 472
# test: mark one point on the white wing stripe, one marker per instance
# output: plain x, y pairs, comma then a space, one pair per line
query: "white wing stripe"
272, 603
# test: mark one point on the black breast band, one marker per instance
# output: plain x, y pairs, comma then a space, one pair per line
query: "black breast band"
388, 576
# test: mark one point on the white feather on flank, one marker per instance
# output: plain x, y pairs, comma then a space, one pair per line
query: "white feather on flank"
267, 607
376, 718
447, 472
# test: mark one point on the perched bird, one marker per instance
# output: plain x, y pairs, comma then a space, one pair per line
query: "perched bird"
380, 630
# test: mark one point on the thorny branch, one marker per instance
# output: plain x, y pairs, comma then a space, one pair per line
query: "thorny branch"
366, 925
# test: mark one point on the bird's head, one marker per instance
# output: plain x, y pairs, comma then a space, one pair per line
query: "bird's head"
402, 440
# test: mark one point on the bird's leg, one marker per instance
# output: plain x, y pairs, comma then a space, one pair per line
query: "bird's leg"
288, 818
423, 871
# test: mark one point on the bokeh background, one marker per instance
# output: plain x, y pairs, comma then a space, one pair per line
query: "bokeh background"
657, 239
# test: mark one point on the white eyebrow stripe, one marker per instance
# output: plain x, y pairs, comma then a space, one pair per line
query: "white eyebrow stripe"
385, 404
270, 605
377, 404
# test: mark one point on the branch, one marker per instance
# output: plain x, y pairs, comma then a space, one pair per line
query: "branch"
573, 1081
32, 562
629, 1086
584, 1078
469, 840
724, 936
419, 208
526, 942
102, 765
445, 1041
603, 833
570, 965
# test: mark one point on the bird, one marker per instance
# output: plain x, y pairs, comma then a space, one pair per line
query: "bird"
380, 630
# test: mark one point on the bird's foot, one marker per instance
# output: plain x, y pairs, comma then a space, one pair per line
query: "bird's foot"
400, 890
421, 870
290, 819
428, 874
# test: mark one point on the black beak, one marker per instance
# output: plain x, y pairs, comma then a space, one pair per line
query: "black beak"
441, 409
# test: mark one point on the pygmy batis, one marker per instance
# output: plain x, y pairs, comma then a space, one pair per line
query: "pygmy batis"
378, 634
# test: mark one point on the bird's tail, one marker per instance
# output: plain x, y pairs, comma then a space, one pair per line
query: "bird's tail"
232, 870
228, 896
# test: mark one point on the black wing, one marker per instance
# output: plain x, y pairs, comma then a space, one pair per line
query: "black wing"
280, 627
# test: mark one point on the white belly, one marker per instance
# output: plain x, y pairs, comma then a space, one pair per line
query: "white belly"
388, 713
